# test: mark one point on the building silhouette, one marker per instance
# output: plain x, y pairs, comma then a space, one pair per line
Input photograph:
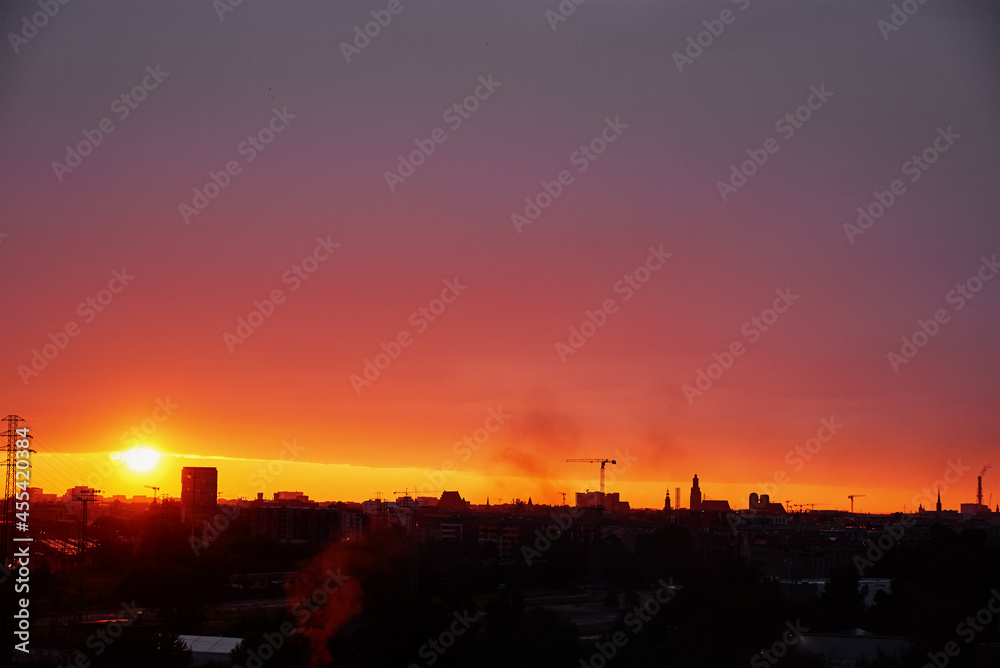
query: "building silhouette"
763, 504
199, 493
611, 502
452, 501
695, 494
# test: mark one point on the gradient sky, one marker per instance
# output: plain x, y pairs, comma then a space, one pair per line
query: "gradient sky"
323, 176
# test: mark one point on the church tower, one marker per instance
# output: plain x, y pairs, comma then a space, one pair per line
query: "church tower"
695, 494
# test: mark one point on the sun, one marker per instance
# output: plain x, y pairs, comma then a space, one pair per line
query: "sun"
139, 459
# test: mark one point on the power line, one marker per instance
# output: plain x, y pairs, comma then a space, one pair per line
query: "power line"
61, 459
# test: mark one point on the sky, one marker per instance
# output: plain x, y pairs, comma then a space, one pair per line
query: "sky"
636, 237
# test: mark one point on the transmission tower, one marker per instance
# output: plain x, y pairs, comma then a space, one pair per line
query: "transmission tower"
10, 487
85, 496
7, 528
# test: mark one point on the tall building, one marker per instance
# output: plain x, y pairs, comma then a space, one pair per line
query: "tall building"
199, 493
695, 494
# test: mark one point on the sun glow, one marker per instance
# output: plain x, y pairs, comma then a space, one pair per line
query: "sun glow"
140, 459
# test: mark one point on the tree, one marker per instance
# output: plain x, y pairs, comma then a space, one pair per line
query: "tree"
843, 604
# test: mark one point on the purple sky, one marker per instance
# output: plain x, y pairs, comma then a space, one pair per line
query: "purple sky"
656, 184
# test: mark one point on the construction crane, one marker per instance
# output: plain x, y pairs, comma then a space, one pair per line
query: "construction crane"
812, 506
155, 490
596, 460
852, 497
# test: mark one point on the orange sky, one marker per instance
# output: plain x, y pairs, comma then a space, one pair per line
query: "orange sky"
525, 458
